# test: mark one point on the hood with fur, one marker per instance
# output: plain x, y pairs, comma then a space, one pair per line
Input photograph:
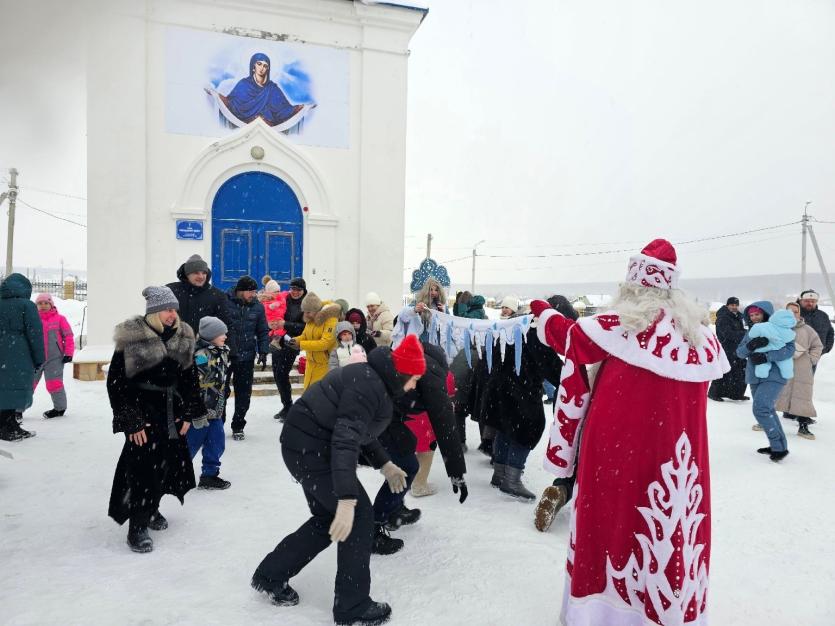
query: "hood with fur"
328, 310
144, 348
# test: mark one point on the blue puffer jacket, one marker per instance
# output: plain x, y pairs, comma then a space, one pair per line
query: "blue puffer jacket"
786, 352
248, 331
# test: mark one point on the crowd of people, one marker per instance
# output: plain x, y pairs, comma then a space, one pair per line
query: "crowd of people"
645, 364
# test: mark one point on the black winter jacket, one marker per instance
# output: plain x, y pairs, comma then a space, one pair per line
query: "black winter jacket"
819, 320
431, 396
248, 330
293, 317
512, 403
143, 357
344, 413
730, 329
198, 302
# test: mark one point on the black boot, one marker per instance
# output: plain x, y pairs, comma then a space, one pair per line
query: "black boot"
402, 517
282, 414
53, 413
213, 482
10, 429
715, 397
377, 613
158, 522
764, 450
138, 538
778, 456
383, 542
279, 593
803, 431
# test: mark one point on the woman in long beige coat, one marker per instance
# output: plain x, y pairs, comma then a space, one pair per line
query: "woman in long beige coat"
796, 399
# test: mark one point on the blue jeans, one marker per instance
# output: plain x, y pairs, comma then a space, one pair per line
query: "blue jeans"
387, 502
213, 441
508, 452
550, 390
765, 395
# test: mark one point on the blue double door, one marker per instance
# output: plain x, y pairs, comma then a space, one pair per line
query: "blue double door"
257, 229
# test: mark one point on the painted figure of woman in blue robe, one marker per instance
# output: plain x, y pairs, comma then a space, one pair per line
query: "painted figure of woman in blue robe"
258, 96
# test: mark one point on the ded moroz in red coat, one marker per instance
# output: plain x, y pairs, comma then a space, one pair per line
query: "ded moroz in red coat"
639, 548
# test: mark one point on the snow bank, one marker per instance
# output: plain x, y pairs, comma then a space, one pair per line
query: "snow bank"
63, 561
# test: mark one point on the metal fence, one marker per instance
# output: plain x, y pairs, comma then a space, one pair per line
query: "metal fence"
67, 290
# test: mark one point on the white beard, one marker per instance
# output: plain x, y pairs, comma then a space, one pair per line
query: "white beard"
638, 307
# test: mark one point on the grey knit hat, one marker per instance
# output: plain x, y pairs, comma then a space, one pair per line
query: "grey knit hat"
195, 263
159, 299
211, 327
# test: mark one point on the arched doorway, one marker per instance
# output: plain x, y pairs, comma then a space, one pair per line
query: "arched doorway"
257, 229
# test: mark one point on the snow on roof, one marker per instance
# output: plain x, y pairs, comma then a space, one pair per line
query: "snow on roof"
414, 6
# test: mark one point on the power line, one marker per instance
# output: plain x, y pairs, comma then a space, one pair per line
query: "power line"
54, 193
63, 219
622, 250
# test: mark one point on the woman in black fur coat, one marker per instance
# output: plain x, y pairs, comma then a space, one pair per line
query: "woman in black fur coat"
154, 393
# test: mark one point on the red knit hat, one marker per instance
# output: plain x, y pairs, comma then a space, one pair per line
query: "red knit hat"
355, 316
408, 357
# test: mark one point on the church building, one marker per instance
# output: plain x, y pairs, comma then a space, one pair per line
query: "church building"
267, 136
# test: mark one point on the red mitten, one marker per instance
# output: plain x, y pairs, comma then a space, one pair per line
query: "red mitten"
538, 306
302, 365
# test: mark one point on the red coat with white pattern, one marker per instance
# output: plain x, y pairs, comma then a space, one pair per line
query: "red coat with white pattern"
639, 548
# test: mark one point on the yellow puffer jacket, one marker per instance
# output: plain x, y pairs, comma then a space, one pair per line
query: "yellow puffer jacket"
317, 340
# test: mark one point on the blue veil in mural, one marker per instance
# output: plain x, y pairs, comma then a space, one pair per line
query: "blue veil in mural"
249, 100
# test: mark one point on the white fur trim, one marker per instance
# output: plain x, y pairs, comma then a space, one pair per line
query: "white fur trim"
543, 322
648, 271
661, 348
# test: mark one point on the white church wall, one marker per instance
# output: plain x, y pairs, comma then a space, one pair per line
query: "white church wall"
143, 178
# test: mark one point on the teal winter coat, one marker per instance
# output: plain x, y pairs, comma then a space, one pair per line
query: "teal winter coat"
21, 342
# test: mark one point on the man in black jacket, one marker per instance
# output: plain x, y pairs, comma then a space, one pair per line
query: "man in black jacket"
198, 298
283, 358
730, 329
430, 395
248, 335
324, 432
816, 318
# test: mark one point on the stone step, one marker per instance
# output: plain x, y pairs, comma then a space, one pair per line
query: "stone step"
271, 390
267, 377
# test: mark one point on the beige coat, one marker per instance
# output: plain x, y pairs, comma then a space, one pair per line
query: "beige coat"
796, 397
382, 320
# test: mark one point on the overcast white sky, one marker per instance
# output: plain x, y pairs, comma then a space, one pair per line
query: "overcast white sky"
541, 126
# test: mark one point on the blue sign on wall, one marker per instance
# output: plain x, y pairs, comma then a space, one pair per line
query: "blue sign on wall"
190, 229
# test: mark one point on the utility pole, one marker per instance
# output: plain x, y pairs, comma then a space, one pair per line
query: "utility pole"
822, 266
12, 196
429, 246
472, 284
805, 222
62, 273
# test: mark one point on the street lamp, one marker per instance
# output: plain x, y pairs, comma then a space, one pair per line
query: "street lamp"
475, 245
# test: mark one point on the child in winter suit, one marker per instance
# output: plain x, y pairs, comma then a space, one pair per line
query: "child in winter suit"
275, 306
778, 330
59, 347
346, 343
211, 356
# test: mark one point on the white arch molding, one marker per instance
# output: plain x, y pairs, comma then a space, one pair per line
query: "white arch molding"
232, 155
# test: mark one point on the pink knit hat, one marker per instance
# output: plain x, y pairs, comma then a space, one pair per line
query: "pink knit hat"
45, 297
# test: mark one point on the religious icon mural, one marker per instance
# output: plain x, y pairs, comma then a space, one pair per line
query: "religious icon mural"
300, 90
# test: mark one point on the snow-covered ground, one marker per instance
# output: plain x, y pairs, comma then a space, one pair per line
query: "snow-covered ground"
63, 561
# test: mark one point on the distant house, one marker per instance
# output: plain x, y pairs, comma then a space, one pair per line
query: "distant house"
591, 304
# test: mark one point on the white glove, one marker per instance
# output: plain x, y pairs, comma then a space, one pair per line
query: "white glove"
395, 477
200, 422
343, 521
